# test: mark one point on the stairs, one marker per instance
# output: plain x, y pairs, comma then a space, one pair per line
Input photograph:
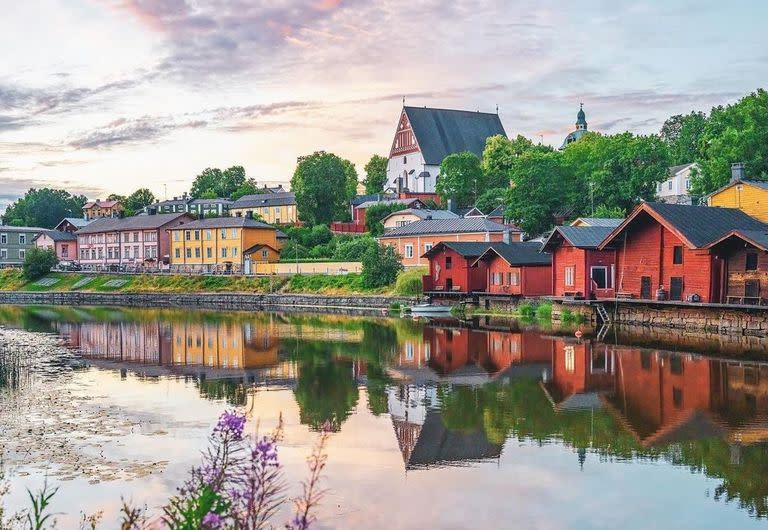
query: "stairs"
602, 314
601, 334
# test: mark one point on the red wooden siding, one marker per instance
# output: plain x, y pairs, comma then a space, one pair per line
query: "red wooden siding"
462, 276
581, 261
532, 280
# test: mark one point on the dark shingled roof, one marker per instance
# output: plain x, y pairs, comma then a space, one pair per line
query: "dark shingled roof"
674, 170
138, 222
441, 132
700, 225
588, 237
497, 212
257, 247
58, 235
600, 221
261, 200
447, 226
424, 213
465, 249
758, 237
225, 222
519, 253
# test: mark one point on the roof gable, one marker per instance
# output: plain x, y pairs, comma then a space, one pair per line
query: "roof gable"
759, 184
448, 226
584, 237
441, 132
517, 254
138, 222
464, 249
696, 226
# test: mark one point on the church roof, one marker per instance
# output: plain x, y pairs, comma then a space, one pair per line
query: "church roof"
572, 137
441, 132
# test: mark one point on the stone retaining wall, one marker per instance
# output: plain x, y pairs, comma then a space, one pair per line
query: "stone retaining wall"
230, 301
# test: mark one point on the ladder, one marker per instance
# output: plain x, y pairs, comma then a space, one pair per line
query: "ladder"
603, 332
602, 314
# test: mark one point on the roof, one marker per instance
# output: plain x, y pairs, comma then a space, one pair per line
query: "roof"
586, 237
360, 199
497, 212
756, 183
282, 235
474, 212
447, 226
697, 226
173, 202
211, 201
757, 238
225, 222
467, 249
137, 222
58, 235
441, 132
407, 202
597, 221
77, 222
519, 253
9, 228
674, 170
424, 213
259, 246
100, 204
265, 199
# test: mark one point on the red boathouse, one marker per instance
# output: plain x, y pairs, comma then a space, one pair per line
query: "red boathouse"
517, 269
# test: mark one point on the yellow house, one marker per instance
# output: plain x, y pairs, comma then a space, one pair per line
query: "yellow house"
273, 208
222, 244
750, 196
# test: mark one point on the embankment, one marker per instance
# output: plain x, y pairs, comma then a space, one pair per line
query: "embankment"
222, 301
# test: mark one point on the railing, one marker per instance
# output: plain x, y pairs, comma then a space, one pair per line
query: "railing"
348, 228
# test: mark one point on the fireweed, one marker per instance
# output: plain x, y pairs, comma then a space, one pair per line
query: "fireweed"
238, 486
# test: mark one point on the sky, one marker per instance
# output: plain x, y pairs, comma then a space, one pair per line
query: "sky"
106, 96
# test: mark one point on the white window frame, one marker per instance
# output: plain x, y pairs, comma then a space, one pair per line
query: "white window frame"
569, 276
408, 250
427, 247
608, 282
3, 239
22, 253
22, 239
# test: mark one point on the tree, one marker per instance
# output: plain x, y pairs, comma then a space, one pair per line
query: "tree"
38, 262
375, 213
350, 174
381, 265
249, 187
490, 199
214, 183
603, 212
44, 208
683, 135
320, 183
499, 155
735, 133
136, 201
375, 174
353, 248
461, 179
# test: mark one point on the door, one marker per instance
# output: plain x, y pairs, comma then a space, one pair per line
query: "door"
247, 265
449, 284
676, 288
717, 280
645, 287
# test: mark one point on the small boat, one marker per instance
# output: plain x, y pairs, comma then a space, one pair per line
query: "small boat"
430, 310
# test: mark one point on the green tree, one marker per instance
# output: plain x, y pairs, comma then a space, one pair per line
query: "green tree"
321, 185
499, 156
683, 135
381, 265
38, 262
604, 212
541, 186
735, 133
350, 174
490, 199
214, 183
353, 248
376, 213
461, 179
44, 208
136, 201
375, 174
249, 187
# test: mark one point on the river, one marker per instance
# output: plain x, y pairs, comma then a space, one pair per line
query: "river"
441, 424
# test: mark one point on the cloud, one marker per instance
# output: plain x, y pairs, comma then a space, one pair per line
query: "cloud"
125, 131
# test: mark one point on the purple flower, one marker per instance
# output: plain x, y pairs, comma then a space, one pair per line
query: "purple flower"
232, 424
265, 452
212, 521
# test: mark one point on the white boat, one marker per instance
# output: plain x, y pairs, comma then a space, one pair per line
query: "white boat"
429, 310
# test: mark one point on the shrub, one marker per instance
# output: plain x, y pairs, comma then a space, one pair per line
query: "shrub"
381, 265
544, 311
38, 262
353, 249
377, 212
526, 310
409, 282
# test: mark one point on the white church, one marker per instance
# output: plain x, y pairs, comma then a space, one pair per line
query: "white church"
425, 136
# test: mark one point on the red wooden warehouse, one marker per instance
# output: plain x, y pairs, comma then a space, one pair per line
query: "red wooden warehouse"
517, 269
579, 268
453, 268
665, 248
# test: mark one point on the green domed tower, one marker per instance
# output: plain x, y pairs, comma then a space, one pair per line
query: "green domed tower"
581, 128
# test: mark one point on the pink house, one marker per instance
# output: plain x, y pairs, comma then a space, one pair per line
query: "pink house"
140, 241
64, 243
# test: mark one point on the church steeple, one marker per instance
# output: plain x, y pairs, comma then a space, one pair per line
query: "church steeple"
581, 119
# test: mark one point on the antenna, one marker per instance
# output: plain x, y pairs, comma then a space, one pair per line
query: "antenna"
541, 139
497, 108
403, 101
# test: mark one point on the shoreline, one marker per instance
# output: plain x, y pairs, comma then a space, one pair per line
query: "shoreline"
368, 304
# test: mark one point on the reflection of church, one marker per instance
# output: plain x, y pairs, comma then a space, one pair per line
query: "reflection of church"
581, 128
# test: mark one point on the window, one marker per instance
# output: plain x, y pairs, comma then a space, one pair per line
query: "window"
752, 288
570, 274
135, 237
448, 262
687, 184
751, 261
22, 239
514, 278
676, 364
265, 253
208, 235
645, 360
427, 247
408, 251
223, 233
197, 252
209, 252
570, 359
22, 253
224, 252
188, 252
187, 235
197, 235
677, 255
3, 253
176, 235
669, 184
599, 276
234, 252
234, 233
178, 253
405, 160
658, 187
3, 239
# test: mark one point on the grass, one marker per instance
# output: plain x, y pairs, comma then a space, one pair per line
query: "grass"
11, 279
409, 283
329, 284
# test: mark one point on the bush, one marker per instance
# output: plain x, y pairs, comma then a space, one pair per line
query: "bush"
409, 282
526, 310
544, 312
377, 212
353, 249
381, 265
38, 262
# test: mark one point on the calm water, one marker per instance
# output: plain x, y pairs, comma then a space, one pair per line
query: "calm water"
436, 425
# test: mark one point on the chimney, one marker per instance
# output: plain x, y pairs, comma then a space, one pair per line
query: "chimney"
450, 206
506, 237
738, 171
184, 195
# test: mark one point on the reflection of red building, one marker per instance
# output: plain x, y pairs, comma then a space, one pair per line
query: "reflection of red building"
580, 371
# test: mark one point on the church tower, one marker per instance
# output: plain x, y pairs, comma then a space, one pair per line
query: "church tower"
581, 128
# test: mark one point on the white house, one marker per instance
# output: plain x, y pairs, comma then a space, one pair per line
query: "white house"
425, 136
676, 189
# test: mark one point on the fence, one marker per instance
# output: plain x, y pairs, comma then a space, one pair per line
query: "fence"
322, 267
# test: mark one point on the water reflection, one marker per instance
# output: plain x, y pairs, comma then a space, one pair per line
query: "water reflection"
456, 394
